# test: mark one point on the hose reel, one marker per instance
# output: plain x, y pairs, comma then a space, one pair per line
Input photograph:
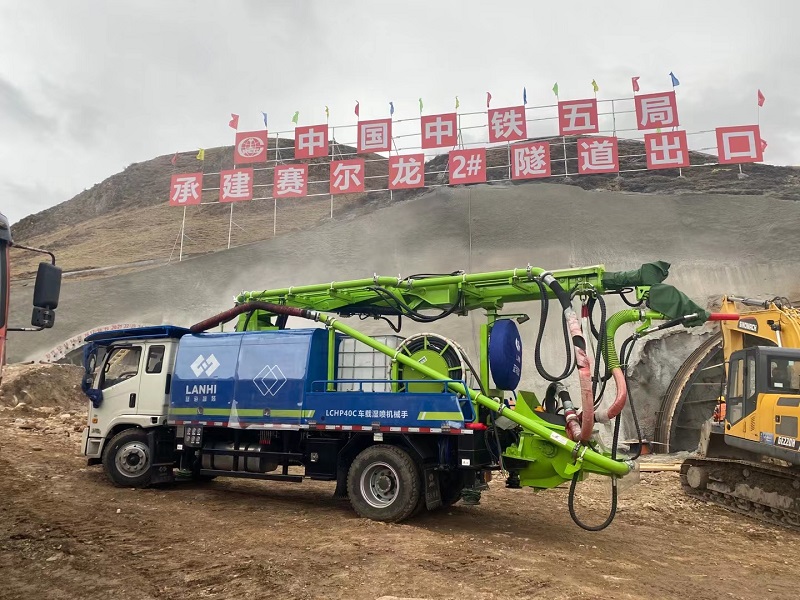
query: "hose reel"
434, 351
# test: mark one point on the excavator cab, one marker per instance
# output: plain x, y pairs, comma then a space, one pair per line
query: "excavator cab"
763, 402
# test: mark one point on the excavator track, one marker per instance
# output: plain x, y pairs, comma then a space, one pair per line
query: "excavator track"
762, 491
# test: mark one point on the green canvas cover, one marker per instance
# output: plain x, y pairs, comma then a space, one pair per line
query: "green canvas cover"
673, 303
647, 274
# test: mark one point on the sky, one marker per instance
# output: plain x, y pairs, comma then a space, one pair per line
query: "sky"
88, 87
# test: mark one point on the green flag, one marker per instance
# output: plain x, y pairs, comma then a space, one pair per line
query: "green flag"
555, 89
457, 103
420, 106
595, 87
327, 112
296, 117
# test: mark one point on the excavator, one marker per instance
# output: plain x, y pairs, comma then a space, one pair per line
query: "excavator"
748, 459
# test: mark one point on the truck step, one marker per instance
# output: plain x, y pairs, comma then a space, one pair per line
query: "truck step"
249, 475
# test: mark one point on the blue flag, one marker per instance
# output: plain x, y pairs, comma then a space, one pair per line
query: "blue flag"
391, 108
524, 95
674, 79
265, 118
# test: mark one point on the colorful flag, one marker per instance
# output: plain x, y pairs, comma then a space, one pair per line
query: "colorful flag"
595, 87
174, 159
234, 122
524, 96
457, 103
391, 108
327, 112
635, 84
420, 106
201, 155
296, 117
674, 79
357, 110
763, 145
761, 98
555, 89
263, 114
488, 99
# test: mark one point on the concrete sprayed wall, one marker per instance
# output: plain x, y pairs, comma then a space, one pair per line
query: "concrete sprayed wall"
717, 244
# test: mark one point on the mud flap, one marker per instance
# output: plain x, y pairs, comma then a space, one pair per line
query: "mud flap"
161, 441
433, 492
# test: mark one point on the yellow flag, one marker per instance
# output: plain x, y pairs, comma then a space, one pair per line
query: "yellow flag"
457, 103
201, 155
595, 87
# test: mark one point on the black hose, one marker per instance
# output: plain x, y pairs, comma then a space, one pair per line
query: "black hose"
537, 353
406, 310
628, 345
571, 498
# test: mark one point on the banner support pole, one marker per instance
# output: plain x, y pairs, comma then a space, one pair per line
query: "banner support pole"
183, 228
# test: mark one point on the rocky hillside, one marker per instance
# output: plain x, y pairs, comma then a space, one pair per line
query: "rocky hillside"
126, 219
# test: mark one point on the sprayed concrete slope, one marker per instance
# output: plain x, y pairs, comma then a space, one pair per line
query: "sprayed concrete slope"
716, 243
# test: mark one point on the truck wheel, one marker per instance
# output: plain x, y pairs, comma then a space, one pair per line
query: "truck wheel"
126, 459
384, 484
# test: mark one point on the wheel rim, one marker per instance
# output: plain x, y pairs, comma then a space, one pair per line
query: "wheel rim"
133, 459
379, 485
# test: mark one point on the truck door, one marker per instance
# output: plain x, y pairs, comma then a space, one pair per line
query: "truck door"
742, 396
153, 394
119, 381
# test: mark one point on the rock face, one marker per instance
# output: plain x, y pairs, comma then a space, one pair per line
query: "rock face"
716, 243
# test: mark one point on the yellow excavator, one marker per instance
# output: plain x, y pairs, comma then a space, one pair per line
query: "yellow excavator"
748, 459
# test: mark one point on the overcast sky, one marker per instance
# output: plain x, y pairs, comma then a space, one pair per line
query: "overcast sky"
89, 87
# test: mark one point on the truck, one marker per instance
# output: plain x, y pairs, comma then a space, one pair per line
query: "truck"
46, 289
400, 424
748, 458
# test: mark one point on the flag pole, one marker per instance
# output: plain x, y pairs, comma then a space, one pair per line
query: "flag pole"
183, 228
230, 227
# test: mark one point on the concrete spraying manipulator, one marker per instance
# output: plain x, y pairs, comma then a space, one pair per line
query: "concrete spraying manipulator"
422, 430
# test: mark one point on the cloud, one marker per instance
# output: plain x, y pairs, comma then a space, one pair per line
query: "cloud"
17, 111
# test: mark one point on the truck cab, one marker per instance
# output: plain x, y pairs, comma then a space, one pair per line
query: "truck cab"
763, 402
127, 378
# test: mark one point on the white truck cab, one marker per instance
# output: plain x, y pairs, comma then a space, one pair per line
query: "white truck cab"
128, 375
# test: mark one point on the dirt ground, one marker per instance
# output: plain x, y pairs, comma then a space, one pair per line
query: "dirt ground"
67, 533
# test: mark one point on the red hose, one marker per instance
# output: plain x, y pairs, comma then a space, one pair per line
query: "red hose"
604, 415
229, 314
583, 363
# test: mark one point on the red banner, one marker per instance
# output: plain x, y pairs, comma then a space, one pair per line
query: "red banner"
290, 181
577, 117
655, 111
597, 155
407, 171
347, 176
467, 166
530, 161
375, 136
251, 147
186, 188
236, 185
439, 131
739, 144
311, 141
668, 150
507, 124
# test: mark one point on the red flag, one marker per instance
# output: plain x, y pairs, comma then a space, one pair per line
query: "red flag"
763, 145
488, 98
761, 98
174, 159
635, 84
234, 122
356, 109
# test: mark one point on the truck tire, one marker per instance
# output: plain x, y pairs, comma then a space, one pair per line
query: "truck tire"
126, 459
384, 484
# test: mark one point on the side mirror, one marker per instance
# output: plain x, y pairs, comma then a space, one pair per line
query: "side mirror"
45, 295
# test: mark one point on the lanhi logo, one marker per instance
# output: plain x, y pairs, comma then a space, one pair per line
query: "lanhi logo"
205, 365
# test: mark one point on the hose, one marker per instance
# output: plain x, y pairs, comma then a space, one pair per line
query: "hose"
231, 313
537, 353
605, 415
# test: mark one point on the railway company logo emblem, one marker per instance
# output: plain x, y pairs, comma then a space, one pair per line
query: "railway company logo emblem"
270, 380
205, 365
750, 325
